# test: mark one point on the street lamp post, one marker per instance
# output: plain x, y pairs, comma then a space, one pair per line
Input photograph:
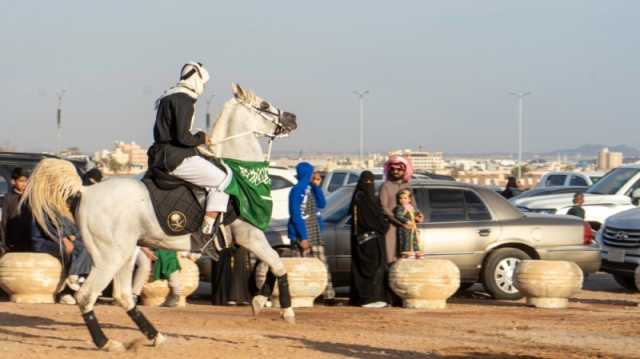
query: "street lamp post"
361, 95
520, 96
59, 120
208, 116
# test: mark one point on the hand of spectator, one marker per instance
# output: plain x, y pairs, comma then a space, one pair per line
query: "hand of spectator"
304, 244
68, 245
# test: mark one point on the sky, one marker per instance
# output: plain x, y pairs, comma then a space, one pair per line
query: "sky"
438, 72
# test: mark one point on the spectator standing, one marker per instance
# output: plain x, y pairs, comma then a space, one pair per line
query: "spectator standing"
511, 189
305, 200
167, 267
407, 214
16, 219
577, 210
398, 172
368, 260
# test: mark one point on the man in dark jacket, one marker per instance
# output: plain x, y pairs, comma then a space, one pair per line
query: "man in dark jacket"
16, 220
174, 150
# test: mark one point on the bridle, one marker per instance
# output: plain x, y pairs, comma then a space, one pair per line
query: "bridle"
275, 118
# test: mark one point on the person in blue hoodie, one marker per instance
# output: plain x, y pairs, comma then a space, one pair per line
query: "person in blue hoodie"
305, 200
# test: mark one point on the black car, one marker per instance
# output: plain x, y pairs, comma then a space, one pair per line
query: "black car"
10, 160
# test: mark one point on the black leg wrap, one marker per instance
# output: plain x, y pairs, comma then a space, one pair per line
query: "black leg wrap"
267, 288
283, 288
99, 339
143, 323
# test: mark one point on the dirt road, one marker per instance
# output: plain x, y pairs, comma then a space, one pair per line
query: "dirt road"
602, 321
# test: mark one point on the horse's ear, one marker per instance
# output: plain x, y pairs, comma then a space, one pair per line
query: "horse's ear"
238, 92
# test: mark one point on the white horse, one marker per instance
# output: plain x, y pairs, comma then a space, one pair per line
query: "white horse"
117, 215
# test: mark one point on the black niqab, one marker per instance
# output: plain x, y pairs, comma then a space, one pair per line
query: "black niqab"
367, 257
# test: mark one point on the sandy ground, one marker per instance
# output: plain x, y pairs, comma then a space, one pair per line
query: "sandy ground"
603, 322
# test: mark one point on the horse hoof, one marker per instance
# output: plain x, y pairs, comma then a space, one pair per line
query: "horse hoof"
289, 316
257, 303
158, 340
113, 346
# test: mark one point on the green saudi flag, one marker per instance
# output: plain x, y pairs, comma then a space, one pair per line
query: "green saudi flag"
251, 187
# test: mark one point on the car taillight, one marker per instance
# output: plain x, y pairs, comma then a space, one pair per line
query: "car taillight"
587, 237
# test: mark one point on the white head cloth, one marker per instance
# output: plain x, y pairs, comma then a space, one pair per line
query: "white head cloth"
193, 77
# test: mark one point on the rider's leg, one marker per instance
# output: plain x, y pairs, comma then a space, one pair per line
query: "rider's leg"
203, 173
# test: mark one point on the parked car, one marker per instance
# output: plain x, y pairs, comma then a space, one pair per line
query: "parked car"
560, 179
613, 193
339, 178
537, 192
282, 180
619, 239
10, 160
477, 229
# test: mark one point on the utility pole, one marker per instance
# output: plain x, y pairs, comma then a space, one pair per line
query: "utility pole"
208, 116
361, 95
59, 120
520, 96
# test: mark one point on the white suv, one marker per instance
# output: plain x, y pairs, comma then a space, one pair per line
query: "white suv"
563, 179
614, 192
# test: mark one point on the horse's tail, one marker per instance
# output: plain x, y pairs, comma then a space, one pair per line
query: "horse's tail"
50, 186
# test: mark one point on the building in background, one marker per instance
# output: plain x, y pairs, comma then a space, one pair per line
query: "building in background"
609, 160
124, 158
421, 160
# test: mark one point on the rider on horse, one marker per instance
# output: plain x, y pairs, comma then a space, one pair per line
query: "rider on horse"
174, 149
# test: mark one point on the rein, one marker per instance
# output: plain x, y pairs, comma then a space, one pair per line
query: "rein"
271, 136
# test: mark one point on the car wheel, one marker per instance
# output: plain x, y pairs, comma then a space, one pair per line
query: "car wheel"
499, 270
627, 282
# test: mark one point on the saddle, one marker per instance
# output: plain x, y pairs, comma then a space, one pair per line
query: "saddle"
180, 205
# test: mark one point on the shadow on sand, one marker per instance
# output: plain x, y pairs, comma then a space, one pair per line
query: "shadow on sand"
369, 352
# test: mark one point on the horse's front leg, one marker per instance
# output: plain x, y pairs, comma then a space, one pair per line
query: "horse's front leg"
254, 240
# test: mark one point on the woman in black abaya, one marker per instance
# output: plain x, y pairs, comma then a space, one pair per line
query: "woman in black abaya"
368, 288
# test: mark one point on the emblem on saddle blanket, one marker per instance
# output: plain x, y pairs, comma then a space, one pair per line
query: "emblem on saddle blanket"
176, 221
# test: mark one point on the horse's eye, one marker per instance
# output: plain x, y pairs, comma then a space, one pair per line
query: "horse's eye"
264, 106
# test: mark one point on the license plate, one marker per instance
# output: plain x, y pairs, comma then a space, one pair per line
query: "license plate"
616, 255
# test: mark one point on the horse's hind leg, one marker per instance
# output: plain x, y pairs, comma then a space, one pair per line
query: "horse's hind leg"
96, 282
122, 293
254, 240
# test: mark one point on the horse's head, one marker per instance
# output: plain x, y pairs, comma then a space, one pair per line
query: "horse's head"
245, 118
270, 120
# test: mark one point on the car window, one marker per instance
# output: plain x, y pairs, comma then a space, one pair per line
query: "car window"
476, 209
353, 178
337, 180
555, 180
613, 181
577, 181
4, 186
338, 204
446, 205
278, 182
633, 188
